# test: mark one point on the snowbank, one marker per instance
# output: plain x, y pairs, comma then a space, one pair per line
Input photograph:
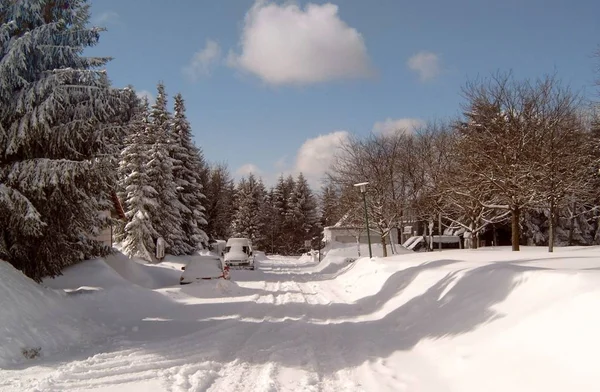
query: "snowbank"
116, 270
337, 256
37, 319
539, 331
260, 256
114, 291
487, 319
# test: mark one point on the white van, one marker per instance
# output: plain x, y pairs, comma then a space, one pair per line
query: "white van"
239, 254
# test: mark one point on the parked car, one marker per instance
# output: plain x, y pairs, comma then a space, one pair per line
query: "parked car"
239, 254
204, 268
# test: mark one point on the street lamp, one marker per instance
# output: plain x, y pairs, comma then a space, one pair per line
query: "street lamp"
363, 190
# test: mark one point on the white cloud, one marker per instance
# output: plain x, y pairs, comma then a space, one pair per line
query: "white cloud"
316, 155
313, 159
248, 168
426, 64
285, 44
390, 126
106, 18
146, 94
203, 61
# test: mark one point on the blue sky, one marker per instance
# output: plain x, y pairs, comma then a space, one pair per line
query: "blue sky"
274, 86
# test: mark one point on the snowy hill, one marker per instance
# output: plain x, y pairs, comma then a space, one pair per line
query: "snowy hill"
465, 320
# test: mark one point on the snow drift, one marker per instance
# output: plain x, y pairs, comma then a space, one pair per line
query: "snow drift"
338, 256
89, 302
37, 319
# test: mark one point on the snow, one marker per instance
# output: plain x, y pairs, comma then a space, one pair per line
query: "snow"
458, 320
203, 267
34, 317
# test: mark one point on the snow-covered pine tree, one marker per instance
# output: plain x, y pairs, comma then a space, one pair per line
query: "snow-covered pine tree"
282, 226
303, 213
247, 220
187, 174
59, 122
219, 192
270, 218
138, 235
330, 210
166, 219
261, 195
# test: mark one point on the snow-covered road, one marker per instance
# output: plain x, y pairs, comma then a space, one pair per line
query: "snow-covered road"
461, 321
273, 331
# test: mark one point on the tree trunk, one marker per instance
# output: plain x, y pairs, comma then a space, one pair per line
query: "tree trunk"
515, 216
358, 244
551, 227
572, 224
476, 240
384, 245
440, 230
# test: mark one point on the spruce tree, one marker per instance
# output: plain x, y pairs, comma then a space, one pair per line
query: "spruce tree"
248, 220
270, 219
283, 226
280, 215
188, 178
330, 201
263, 207
138, 235
59, 123
220, 190
167, 218
303, 213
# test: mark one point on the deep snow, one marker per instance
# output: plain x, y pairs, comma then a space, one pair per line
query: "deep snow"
464, 320
36, 318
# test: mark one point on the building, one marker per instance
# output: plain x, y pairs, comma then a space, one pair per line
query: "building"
117, 212
345, 232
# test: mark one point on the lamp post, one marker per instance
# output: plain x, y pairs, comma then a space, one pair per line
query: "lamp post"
363, 190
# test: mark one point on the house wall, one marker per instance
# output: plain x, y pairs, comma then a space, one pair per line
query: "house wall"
348, 235
105, 235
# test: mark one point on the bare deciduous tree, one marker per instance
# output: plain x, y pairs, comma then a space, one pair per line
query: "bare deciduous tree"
373, 159
498, 143
463, 201
564, 157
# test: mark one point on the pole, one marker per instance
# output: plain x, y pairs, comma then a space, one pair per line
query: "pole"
367, 222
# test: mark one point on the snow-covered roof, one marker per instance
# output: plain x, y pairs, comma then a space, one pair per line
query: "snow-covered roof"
342, 220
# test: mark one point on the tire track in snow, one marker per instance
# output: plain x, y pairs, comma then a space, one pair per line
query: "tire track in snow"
240, 375
205, 360
142, 363
269, 298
